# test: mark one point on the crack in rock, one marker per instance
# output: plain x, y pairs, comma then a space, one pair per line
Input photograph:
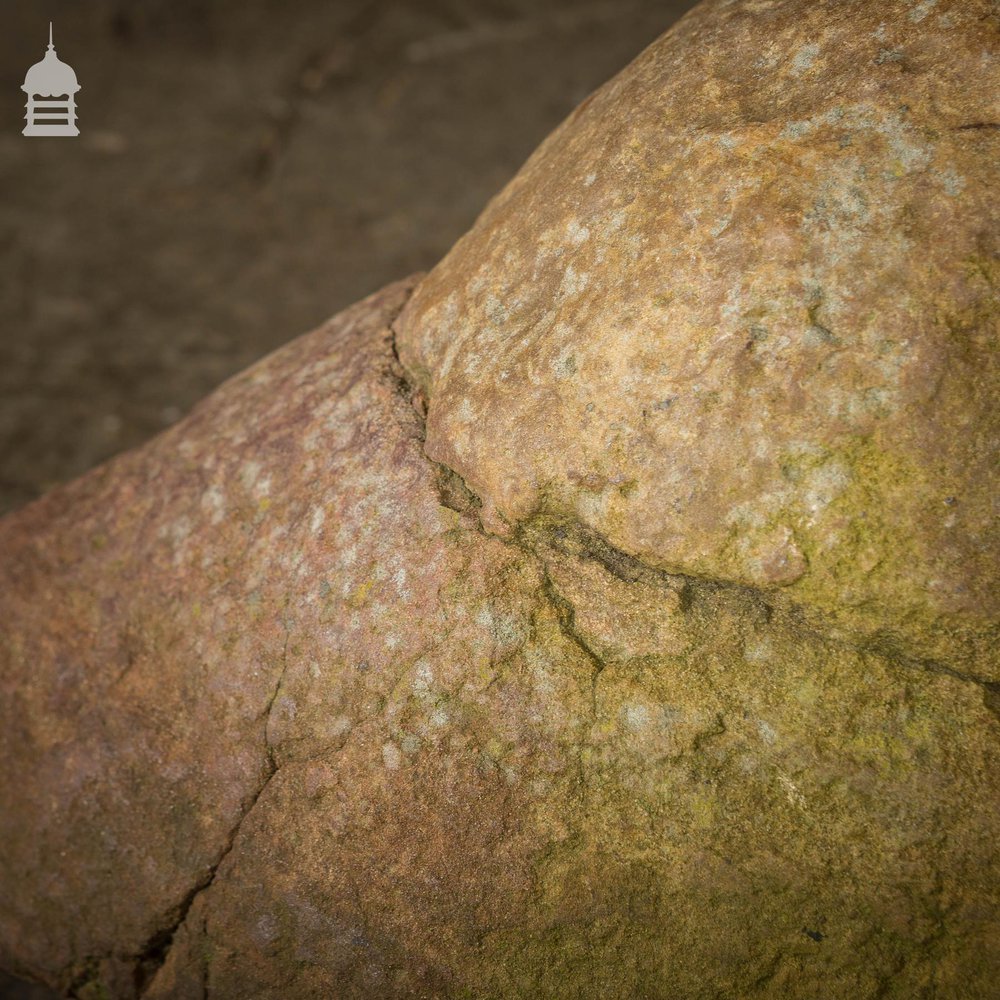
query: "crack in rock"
149, 961
571, 536
531, 537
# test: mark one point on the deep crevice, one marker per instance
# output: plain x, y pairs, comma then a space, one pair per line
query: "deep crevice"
570, 536
151, 958
149, 961
991, 697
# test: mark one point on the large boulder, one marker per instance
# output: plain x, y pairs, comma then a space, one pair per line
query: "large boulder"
606, 614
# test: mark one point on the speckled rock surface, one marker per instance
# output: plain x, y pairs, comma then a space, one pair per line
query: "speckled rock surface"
330, 692
738, 314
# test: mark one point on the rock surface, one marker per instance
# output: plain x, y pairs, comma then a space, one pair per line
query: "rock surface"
396, 671
738, 314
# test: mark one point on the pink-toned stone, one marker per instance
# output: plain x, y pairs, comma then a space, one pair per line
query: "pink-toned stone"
288, 710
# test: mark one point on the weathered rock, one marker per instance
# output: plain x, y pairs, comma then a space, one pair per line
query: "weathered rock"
288, 711
738, 315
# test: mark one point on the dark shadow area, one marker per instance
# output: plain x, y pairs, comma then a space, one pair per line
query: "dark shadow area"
16, 989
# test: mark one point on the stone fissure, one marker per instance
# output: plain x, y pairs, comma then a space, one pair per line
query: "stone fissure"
266, 714
151, 959
572, 537
565, 614
532, 537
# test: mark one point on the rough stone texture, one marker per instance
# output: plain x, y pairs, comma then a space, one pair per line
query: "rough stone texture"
289, 711
738, 314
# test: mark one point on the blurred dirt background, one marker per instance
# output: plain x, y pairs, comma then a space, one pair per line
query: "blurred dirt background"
245, 169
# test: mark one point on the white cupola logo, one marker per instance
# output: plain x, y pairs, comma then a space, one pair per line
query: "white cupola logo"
51, 88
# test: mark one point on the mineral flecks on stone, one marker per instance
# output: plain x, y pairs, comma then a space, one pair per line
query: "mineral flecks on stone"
605, 614
738, 314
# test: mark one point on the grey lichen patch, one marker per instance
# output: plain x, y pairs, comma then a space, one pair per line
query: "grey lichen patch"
804, 58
